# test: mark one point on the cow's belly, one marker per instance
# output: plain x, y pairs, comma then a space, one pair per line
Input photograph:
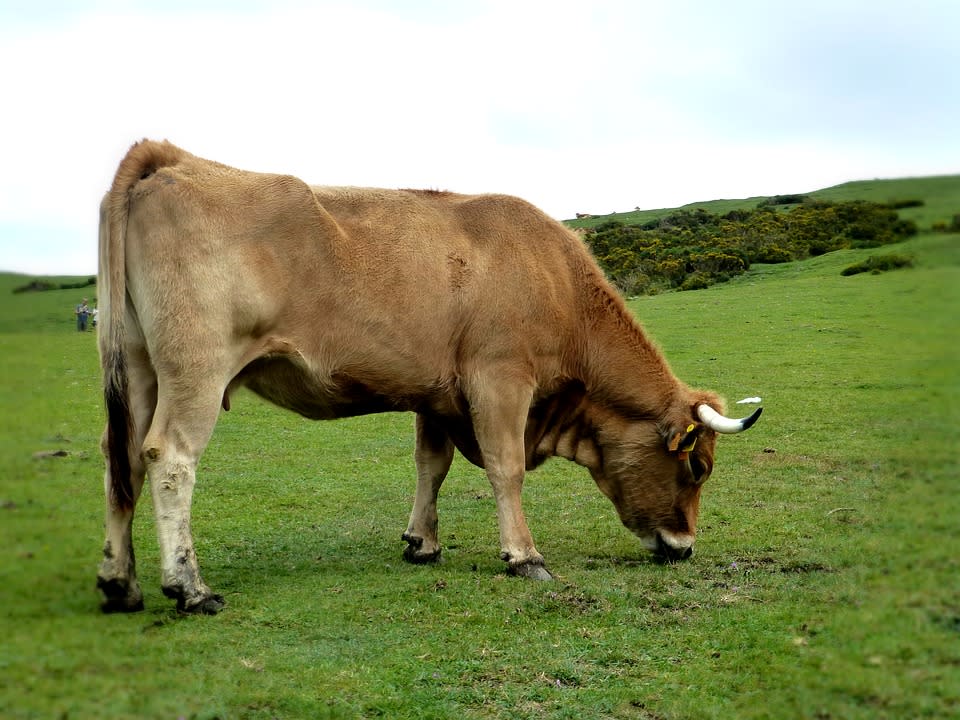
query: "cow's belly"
288, 383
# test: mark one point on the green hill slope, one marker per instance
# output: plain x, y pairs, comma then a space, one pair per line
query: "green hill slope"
940, 196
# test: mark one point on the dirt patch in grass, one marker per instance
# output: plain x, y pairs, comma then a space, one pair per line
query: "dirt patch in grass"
571, 600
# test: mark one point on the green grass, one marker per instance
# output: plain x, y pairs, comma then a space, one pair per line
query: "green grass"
825, 583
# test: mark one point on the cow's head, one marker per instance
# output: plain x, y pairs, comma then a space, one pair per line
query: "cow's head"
654, 471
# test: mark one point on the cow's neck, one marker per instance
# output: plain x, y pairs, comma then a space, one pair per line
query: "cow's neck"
560, 425
622, 369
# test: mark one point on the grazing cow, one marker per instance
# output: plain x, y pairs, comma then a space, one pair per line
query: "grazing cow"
483, 316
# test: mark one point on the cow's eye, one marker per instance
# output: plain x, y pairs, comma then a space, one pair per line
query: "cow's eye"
698, 469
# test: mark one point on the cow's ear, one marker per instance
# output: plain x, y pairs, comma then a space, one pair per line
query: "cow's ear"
684, 440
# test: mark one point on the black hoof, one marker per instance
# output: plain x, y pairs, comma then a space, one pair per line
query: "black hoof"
210, 605
118, 598
412, 553
204, 605
531, 570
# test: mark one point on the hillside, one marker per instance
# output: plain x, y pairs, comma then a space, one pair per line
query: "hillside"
700, 244
940, 196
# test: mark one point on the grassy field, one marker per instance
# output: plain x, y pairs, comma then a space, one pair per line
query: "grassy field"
826, 582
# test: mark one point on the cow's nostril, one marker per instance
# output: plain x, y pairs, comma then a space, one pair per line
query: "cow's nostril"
667, 553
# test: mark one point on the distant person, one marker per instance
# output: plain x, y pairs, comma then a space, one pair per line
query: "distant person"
82, 312
93, 317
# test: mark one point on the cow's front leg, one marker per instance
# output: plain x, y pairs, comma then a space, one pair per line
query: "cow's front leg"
433, 456
516, 542
499, 412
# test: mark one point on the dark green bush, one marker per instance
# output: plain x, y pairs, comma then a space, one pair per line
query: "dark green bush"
43, 285
77, 285
900, 204
877, 264
942, 226
772, 254
697, 281
784, 200
689, 249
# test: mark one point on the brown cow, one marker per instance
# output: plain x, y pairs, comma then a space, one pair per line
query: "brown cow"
480, 314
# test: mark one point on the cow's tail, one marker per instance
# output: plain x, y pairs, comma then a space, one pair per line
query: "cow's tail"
141, 161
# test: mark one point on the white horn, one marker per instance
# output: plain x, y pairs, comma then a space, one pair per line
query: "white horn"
722, 424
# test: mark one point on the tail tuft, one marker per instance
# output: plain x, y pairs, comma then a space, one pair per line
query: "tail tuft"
119, 431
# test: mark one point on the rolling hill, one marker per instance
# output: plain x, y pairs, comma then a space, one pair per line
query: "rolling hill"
940, 196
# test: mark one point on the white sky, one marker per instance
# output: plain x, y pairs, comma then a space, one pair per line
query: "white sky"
593, 106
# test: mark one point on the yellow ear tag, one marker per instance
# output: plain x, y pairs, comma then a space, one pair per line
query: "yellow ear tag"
675, 441
691, 445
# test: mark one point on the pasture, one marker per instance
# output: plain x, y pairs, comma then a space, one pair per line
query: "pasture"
826, 582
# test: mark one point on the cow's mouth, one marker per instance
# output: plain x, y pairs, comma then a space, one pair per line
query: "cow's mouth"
667, 553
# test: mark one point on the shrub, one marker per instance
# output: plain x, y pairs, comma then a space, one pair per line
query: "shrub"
694, 248
737, 216
900, 204
636, 283
77, 285
608, 225
784, 200
36, 286
771, 254
818, 248
877, 264
43, 285
697, 281
717, 262
942, 226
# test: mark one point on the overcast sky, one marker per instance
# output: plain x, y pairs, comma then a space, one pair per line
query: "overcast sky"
576, 106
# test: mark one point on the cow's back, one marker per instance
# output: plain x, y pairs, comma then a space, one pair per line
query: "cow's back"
460, 272
348, 296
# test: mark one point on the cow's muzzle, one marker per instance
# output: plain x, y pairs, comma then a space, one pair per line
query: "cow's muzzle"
667, 553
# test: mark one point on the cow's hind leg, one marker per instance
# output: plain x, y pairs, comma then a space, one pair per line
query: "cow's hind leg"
181, 428
433, 456
117, 577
